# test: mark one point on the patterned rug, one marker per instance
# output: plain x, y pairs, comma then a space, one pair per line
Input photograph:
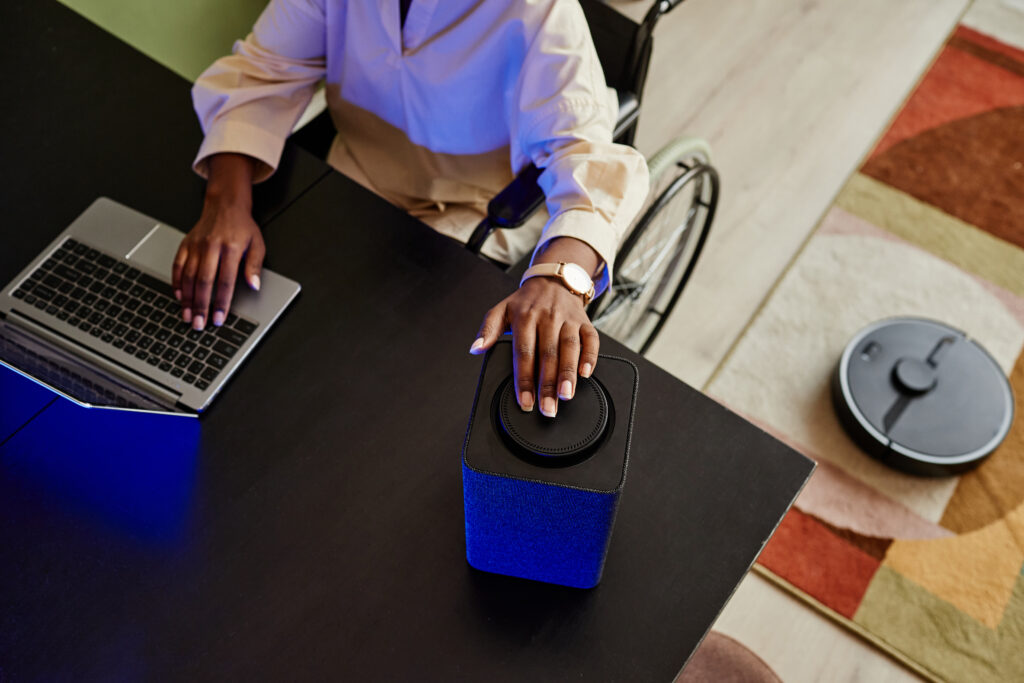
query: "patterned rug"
932, 225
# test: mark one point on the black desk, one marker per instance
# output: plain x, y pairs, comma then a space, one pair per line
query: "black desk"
318, 521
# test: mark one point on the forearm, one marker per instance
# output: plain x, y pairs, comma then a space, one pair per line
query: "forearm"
230, 180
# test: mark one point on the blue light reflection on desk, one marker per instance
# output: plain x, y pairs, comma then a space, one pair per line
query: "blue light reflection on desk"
131, 472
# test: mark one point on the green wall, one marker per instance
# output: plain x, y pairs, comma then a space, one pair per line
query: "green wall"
183, 35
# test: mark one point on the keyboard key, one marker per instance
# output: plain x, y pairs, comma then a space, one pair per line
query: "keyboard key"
150, 328
165, 366
245, 327
89, 299
51, 281
132, 304
84, 312
156, 316
113, 280
169, 322
182, 327
231, 336
70, 243
114, 311
230, 320
49, 264
225, 349
159, 286
120, 267
173, 308
201, 353
30, 298
84, 326
148, 295
120, 299
210, 374
96, 318
130, 349
37, 274
145, 310
92, 254
170, 354
52, 309
108, 337
60, 300
74, 321
84, 282
95, 331
85, 267
60, 253
177, 372
108, 324
105, 261
158, 348
175, 341
108, 292
125, 284
207, 340
101, 274
145, 343
126, 317
132, 336
120, 330
65, 288
182, 361
160, 303
217, 361
196, 367
118, 343
67, 273
163, 334
188, 347
141, 355
102, 305
97, 287
189, 377
137, 322
202, 385
43, 292
81, 249
19, 294
78, 293
132, 273
194, 335
63, 315
153, 360
137, 290
40, 304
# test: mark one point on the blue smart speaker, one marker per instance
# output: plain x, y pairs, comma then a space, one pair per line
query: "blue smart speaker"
541, 493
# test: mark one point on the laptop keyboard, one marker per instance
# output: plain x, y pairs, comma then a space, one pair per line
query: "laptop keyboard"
131, 313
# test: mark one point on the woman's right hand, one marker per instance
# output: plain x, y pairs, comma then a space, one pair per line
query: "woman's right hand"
207, 262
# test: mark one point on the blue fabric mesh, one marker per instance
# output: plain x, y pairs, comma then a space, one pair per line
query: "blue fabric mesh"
533, 530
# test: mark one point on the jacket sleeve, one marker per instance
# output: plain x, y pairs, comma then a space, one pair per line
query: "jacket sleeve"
249, 101
562, 118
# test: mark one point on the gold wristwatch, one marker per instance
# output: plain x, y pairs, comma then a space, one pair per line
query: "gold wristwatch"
573, 276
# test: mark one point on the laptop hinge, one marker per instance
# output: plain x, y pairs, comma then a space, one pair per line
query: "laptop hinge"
154, 391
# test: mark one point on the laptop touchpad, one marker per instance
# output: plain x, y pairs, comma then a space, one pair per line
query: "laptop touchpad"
156, 250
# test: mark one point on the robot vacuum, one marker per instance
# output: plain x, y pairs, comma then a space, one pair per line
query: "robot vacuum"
922, 397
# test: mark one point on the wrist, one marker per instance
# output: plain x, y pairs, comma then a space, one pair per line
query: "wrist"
570, 250
230, 182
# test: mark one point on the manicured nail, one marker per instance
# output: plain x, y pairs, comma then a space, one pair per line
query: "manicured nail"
548, 406
218, 318
186, 314
198, 323
565, 391
477, 346
526, 401
586, 370
177, 294
254, 282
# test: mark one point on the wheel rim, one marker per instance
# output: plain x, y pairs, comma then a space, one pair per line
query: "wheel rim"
658, 256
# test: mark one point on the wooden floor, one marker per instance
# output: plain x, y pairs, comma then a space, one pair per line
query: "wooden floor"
791, 94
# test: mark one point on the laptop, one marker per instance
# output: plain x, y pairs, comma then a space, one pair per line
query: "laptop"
94, 319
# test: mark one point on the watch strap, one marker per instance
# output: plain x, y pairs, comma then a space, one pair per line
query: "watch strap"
556, 270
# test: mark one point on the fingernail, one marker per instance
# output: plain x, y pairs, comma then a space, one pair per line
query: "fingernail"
177, 294
199, 323
477, 346
586, 370
186, 314
548, 406
526, 401
565, 392
254, 282
218, 318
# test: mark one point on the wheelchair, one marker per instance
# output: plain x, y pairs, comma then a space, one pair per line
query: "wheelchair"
661, 249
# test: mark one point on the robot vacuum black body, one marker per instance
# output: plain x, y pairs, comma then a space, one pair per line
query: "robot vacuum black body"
921, 396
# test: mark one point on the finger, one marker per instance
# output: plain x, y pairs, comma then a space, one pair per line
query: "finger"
177, 266
568, 360
188, 279
524, 343
493, 326
206, 278
547, 353
590, 346
254, 261
225, 288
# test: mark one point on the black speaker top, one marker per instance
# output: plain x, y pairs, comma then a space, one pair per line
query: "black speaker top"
566, 438
922, 397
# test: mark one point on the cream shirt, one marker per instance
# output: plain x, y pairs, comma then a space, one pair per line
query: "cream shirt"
438, 116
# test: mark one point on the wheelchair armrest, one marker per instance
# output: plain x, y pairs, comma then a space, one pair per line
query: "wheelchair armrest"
512, 206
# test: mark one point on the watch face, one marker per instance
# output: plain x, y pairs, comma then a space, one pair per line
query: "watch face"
577, 278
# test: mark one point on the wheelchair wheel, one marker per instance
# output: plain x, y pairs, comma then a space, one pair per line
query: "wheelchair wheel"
658, 256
